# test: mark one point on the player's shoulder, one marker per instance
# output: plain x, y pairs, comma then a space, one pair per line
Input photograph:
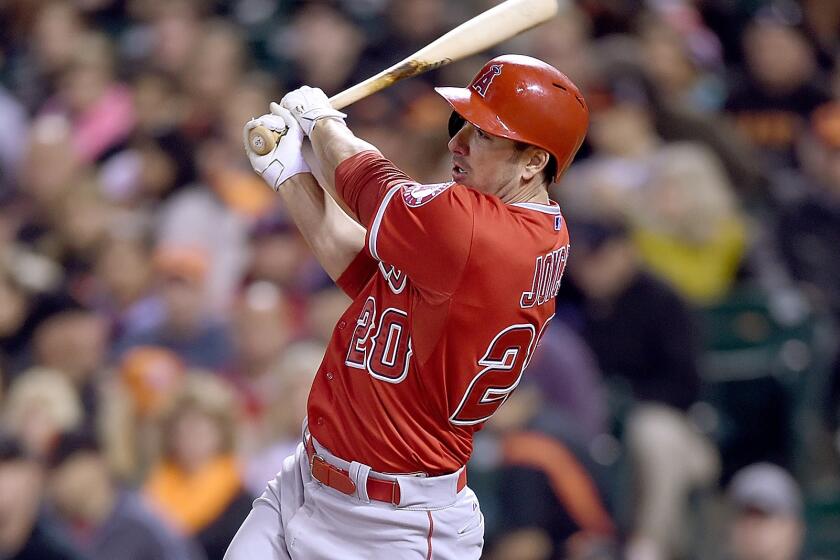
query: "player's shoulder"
520, 228
439, 198
416, 195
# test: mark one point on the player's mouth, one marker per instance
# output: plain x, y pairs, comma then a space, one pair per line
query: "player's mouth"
458, 173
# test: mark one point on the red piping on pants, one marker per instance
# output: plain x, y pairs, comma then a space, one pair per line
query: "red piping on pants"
431, 528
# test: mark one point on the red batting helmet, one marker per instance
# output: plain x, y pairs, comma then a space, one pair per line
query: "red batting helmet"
524, 99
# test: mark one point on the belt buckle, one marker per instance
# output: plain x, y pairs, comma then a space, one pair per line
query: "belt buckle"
312, 460
330, 475
395, 493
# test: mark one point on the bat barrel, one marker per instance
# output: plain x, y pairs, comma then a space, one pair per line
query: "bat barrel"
485, 30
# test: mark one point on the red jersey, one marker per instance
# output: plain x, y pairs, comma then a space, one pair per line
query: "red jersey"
450, 297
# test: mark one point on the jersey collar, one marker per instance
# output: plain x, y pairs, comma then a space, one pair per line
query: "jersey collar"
551, 208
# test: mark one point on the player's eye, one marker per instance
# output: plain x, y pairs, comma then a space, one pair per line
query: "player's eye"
456, 123
481, 133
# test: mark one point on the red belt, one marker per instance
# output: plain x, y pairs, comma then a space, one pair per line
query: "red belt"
380, 490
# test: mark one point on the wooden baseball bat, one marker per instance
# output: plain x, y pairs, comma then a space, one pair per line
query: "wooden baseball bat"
485, 30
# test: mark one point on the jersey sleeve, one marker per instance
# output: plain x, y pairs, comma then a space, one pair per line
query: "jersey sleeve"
425, 231
357, 274
364, 179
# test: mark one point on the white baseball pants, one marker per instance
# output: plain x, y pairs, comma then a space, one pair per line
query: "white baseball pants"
298, 518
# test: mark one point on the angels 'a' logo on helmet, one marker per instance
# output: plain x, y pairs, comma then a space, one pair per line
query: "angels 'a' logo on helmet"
482, 83
416, 195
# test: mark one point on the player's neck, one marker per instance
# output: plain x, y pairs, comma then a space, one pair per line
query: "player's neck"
535, 191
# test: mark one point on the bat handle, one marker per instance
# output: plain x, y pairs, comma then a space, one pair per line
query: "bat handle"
262, 140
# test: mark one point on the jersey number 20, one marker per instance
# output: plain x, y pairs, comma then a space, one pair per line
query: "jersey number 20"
390, 349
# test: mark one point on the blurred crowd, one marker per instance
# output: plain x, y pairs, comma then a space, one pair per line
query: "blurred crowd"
161, 320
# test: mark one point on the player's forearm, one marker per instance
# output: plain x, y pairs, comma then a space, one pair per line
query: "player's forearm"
335, 239
334, 143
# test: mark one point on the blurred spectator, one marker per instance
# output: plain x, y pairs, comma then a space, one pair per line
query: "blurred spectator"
416, 22
622, 135
74, 342
686, 224
780, 88
158, 102
197, 485
279, 429
676, 197
151, 375
169, 40
12, 150
808, 226
808, 230
15, 310
834, 80
211, 72
80, 224
99, 108
50, 43
325, 47
642, 336
262, 330
279, 255
631, 118
821, 20
24, 533
45, 184
610, 17
682, 57
221, 160
153, 168
201, 217
570, 383
40, 405
188, 327
103, 520
549, 489
124, 288
622, 102
133, 404
768, 518
564, 42
25, 303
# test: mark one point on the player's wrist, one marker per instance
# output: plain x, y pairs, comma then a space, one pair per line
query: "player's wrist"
326, 128
300, 179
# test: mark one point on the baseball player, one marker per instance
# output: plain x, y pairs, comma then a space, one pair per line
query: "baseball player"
452, 286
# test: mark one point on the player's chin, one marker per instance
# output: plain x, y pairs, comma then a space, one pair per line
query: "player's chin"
460, 177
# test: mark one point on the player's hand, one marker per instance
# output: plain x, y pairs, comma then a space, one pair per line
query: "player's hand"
286, 159
308, 105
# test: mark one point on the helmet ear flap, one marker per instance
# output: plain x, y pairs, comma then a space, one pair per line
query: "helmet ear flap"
456, 123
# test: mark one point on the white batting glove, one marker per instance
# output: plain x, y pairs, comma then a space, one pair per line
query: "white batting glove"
286, 159
308, 105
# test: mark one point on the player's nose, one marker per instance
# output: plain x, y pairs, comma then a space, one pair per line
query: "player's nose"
459, 144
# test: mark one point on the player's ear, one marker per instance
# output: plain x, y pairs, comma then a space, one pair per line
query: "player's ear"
536, 160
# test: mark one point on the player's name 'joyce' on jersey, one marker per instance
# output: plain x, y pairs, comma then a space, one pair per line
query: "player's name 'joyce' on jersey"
450, 297
548, 273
